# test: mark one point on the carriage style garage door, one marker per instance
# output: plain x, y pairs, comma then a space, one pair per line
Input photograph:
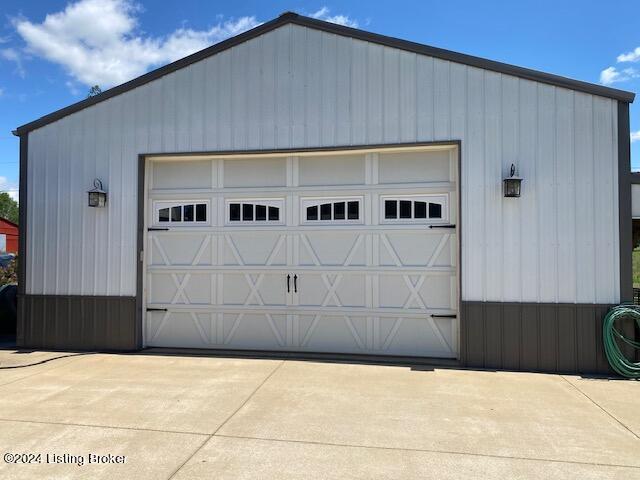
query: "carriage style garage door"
347, 252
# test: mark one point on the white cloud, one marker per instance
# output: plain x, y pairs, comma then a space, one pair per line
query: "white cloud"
635, 136
612, 75
325, 14
632, 56
12, 55
10, 188
97, 41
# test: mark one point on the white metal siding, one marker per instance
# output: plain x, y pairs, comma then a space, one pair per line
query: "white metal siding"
297, 87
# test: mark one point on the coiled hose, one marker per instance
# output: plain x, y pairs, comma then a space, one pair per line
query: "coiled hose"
613, 339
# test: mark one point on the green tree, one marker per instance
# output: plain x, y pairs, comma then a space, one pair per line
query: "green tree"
8, 207
95, 90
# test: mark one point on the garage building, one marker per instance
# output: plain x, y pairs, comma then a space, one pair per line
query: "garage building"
309, 187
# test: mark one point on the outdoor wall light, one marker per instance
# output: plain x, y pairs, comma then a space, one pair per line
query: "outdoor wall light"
97, 196
512, 184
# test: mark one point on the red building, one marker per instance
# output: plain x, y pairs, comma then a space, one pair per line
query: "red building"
9, 233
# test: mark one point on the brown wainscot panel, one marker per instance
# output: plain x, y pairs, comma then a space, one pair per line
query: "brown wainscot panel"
545, 337
75, 322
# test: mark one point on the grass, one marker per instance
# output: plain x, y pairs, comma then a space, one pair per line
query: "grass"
636, 268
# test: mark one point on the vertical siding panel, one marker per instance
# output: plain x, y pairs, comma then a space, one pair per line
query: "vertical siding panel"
585, 199
37, 164
606, 223
126, 239
614, 200
441, 119
98, 266
391, 95
116, 197
313, 93
527, 168
473, 158
586, 339
511, 208
565, 192
253, 62
89, 125
183, 115
283, 86
494, 252
546, 189
493, 335
62, 258
329, 90
239, 86
168, 99
197, 106
343, 93
358, 92
475, 320
425, 97
511, 335
212, 84
225, 92
408, 95
268, 89
530, 337
375, 94
458, 101
50, 180
298, 84
549, 323
567, 338
76, 205
155, 120
33, 154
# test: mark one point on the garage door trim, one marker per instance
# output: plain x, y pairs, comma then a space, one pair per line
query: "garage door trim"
386, 148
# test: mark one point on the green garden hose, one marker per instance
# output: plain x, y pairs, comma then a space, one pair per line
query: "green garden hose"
613, 338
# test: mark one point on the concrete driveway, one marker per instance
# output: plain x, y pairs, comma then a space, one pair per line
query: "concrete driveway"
191, 417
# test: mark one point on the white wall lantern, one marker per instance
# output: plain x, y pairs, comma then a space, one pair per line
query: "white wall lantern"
97, 196
512, 184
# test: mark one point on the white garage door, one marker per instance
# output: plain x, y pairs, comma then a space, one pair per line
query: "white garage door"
348, 252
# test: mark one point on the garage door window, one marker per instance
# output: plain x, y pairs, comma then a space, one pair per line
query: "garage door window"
254, 211
414, 209
178, 213
332, 210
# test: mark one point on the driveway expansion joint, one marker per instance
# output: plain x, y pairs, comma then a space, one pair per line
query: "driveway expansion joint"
610, 415
209, 437
109, 427
426, 450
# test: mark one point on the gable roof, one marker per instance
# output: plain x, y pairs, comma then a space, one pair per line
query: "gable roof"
294, 18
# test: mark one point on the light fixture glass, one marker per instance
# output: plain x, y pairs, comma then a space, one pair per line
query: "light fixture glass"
512, 184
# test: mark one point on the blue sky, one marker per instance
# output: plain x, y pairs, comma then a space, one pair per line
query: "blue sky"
52, 51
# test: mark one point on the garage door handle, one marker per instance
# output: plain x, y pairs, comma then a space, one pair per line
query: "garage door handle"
157, 229
442, 226
288, 283
444, 316
295, 283
156, 309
